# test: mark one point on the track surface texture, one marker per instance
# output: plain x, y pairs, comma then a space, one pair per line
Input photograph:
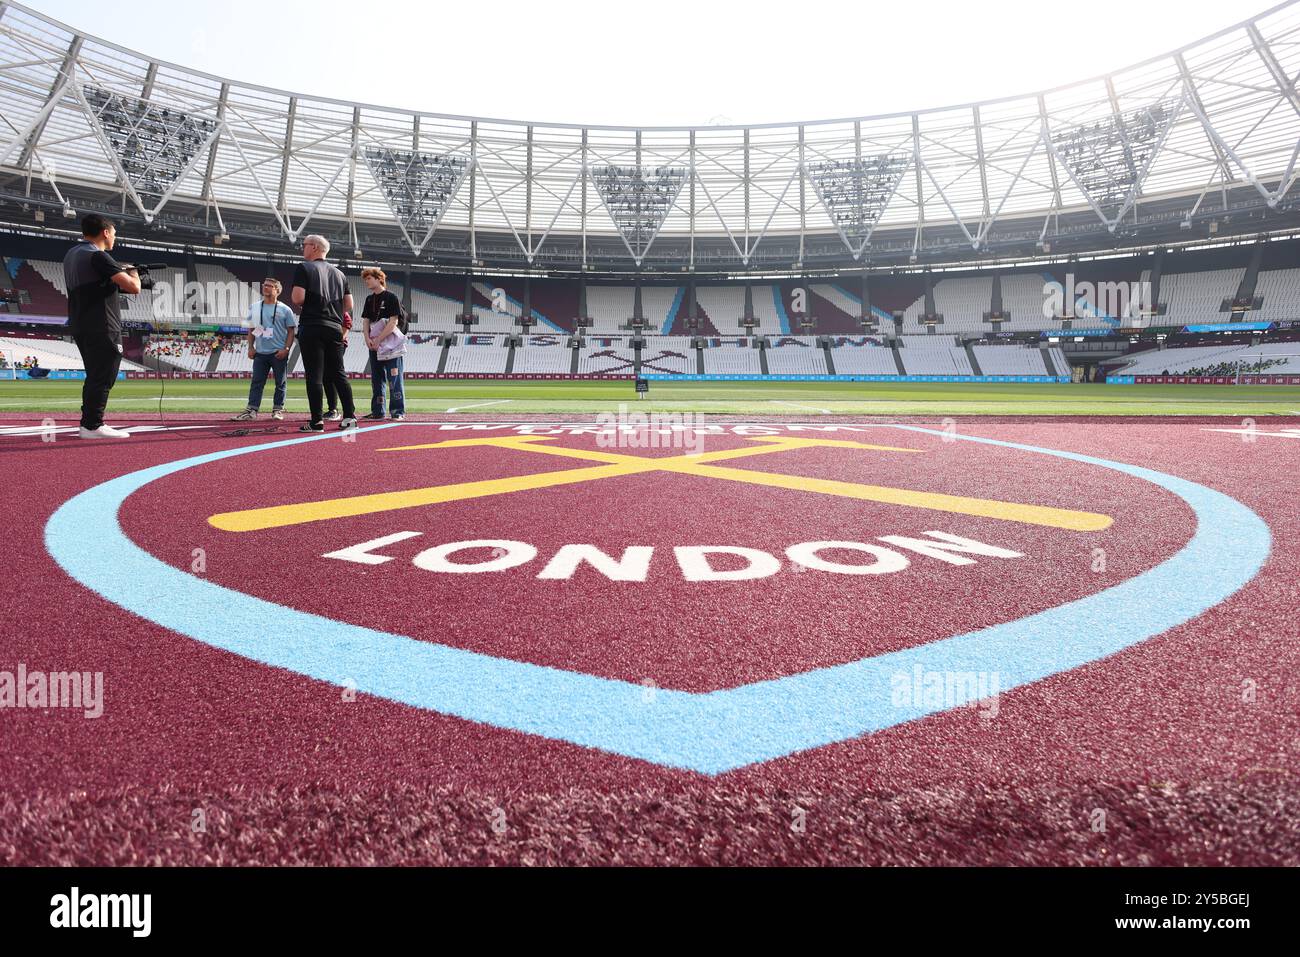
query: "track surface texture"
1180, 749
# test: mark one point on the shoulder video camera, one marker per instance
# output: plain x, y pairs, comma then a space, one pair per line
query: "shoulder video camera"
146, 280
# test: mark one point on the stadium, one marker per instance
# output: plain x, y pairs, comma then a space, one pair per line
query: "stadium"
889, 490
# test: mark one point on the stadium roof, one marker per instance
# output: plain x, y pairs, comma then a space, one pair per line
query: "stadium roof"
1201, 140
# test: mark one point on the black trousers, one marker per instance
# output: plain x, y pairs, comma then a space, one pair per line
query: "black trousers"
331, 391
101, 354
322, 359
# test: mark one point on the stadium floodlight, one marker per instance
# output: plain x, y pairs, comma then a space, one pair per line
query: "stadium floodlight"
638, 200
1108, 159
856, 192
418, 188
153, 146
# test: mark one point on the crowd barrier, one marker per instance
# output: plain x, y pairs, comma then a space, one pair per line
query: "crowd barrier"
1244, 379
366, 375
684, 377
49, 374
749, 377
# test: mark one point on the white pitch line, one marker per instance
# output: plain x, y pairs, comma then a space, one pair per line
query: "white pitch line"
807, 408
46, 402
477, 405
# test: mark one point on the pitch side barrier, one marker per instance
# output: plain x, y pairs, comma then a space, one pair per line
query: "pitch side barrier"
50, 374
741, 377
1244, 379
719, 377
366, 375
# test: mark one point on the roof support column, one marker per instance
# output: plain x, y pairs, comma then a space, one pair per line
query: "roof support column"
65, 72
281, 202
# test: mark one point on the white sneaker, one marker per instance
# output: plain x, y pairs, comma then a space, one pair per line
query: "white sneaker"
103, 432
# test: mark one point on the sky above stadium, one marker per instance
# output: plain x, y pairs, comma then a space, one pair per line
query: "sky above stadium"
656, 63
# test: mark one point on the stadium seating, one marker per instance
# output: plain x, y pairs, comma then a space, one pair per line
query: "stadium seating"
234, 358
422, 353
544, 355
1010, 360
50, 353
1273, 357
1180, 360
434, 312
795, 355
147, 306
850, 306
1191, 295
224, 307
610, 307
1023, 295
606, 356
358, 353
862, 355
1096, 306
657, 303
1196, 297
726, 304
1280, 289
511, 310
962, 301
731, 357
478, 353
188, 354
46, 298
935, 355
668, 354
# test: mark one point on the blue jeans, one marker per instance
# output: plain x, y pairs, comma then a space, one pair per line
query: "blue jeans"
263, 363
387, 371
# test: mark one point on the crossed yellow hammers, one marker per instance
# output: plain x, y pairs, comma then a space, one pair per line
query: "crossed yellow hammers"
614, 464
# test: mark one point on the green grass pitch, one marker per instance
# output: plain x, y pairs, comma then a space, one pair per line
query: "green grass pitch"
505, 398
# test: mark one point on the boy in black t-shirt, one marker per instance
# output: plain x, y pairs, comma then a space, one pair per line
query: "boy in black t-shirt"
383, 314
95, 280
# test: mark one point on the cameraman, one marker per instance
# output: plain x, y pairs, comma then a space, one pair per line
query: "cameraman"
95, 281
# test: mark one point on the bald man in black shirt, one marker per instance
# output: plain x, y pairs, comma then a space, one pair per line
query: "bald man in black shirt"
321, 292
95, 281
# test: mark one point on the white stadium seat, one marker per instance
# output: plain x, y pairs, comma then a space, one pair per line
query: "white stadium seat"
795, 355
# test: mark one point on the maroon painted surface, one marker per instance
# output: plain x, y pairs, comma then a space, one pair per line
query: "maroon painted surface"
1188, 766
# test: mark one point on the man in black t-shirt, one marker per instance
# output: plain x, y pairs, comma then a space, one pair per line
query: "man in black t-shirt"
321, 291
95, 281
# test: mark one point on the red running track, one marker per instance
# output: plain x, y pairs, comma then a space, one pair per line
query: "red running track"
1188, 742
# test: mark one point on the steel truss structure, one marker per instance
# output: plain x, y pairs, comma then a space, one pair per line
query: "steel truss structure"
1207, 134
